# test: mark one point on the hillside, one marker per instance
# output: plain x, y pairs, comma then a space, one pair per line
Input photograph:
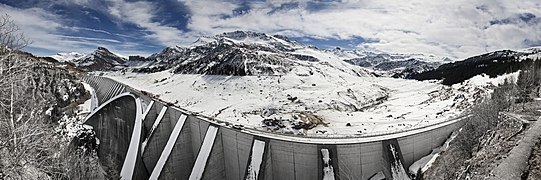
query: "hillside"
40, 117
493, 64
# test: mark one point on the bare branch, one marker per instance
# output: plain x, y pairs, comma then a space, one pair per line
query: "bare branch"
11, 37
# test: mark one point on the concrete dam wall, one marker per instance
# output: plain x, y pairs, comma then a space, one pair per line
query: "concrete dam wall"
177, 144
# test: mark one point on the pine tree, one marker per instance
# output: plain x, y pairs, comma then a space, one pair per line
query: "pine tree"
525, 84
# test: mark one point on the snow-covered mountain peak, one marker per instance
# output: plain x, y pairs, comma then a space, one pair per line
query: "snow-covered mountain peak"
100, 59
249, 38
245, 53
104, 52
68, 57
240, 35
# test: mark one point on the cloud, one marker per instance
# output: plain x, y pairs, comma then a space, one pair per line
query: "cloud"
142, 14
456, 29
37, 26
51, 33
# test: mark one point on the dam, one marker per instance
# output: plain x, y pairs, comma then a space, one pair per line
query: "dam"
150, 139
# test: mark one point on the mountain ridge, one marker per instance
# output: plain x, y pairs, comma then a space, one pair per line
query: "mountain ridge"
247, 53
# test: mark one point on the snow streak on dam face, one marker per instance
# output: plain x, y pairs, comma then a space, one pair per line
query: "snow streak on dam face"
177, 144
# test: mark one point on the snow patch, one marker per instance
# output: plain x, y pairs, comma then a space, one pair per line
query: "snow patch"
483, 79
425, 162
204, 153
258, 149
328, 170
168, 147
397, 169
378, 176
92, 103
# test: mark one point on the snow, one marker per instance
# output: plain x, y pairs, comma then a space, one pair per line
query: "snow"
420, 163
154, 126
168, 147
258, 149
242, 100
68, 57
378, 176
397, 169
328, 170
49, 111
437, 153
483, 79
425, 162
340, 99
204, 153
147, 109
72, 126
92, 103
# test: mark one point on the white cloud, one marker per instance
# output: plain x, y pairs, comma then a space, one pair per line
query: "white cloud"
38, 26
44, 29
456, 29
141, 13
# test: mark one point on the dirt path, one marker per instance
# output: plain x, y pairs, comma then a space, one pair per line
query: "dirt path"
517, 162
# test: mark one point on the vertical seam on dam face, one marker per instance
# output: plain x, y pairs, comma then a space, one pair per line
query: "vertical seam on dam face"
223, 151
204, 153
237, 146
168, 147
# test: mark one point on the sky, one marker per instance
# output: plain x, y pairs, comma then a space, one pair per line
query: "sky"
456, 29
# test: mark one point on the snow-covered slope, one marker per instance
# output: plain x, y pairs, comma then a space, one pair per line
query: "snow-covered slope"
493, 64
244, 53
391, 65
68, 57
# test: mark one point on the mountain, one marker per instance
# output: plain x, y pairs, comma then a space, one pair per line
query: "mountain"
393, 65
99, 60
68, 57
238, 53
276, 84
492, 64
245, 53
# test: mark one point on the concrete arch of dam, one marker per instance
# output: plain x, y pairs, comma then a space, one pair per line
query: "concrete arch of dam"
177, 144
117, 124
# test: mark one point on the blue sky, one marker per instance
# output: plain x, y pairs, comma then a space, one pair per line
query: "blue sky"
456, 29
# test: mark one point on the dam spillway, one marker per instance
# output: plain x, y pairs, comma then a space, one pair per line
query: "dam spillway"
178, 144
